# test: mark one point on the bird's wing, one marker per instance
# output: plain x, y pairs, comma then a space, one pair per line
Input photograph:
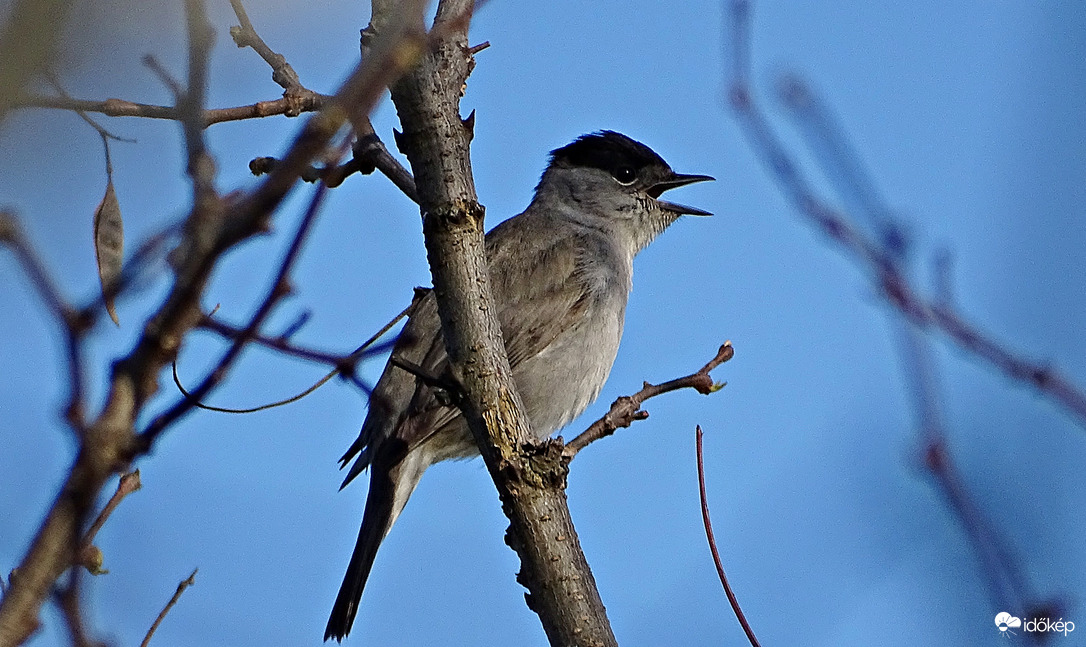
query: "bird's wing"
401, 396
541, 289
539, 294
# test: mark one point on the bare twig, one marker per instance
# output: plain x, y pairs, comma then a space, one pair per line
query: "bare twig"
625, 410
245, 35
164, 75
331, 176
370, 149
370, 154
288, 106
89, 556
74, 322
732, 600
344, 364
55, 82
185, 583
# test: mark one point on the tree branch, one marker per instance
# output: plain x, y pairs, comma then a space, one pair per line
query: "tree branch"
883, 249
184, 584
732, 599
110, 443
625, 410
89, 556
530, 478
289, 106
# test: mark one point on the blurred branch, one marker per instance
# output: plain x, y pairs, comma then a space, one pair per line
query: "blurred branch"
279, 289
885, 253
625, 410
732, 599
74, 323
110, 443
185, 583
190, 105
879, 256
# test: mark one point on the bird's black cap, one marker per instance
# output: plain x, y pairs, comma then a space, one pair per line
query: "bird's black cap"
607, 151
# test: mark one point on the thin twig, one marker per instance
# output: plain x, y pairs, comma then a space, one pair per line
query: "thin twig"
74, 322
344, 364
245, 35
625, 410
88, 556
370, 153
55, 82
271, 299
186, 583
288, 106
732, 600
369, 148
164, 76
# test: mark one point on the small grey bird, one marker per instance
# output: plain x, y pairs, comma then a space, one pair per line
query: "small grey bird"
561, 274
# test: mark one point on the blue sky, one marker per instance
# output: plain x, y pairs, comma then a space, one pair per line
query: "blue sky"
968, 117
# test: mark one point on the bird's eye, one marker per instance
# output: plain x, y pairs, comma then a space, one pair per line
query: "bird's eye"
624, 174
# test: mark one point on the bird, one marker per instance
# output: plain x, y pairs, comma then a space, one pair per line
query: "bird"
561, 274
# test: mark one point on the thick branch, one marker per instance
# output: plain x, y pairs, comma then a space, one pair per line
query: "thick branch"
530, 478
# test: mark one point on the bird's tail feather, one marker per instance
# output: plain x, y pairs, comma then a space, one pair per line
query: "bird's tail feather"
390, 487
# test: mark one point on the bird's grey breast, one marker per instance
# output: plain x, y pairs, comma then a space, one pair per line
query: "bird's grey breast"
561, 289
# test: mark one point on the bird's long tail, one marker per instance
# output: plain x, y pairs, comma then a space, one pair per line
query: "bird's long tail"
390, 487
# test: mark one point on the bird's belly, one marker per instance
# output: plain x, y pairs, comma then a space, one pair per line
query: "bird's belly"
559, 383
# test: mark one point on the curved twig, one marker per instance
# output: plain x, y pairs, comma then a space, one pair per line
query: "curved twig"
732, 600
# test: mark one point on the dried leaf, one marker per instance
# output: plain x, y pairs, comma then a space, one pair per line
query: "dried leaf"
109, 243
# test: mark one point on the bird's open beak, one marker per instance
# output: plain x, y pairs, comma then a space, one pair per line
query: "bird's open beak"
674, 182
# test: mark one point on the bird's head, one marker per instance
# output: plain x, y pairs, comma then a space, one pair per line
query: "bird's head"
607, 179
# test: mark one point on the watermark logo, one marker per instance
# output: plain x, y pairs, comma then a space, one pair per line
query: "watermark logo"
1006, 623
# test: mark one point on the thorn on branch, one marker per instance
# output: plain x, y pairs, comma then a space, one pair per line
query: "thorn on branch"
475, 49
